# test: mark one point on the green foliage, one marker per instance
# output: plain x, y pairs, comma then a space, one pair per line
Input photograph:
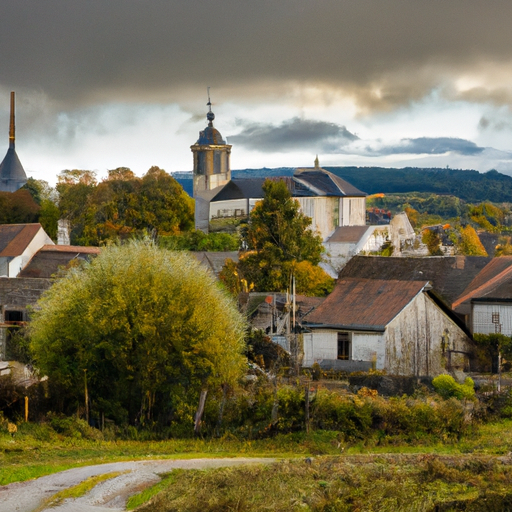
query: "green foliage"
123, 205
197, 240
488, 346
468, 185
151, 328
280, 245
446, 386
432, 240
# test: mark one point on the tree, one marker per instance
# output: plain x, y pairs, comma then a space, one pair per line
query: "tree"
470, 244
123, 205
432, 240
279, 238
150, 327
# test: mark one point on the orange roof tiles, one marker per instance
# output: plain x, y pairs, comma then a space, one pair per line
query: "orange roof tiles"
15, 238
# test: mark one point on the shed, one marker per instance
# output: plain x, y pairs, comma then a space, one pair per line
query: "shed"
397, 326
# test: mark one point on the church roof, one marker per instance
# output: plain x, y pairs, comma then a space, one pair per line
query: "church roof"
12, 174
243, 188
304, 183
15, 238
325, 183
210, 136
11, 168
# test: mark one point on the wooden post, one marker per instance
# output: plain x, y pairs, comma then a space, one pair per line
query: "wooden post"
306, 395
86, 398
199, 412
26, 409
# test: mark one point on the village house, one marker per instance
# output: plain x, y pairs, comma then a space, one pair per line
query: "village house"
18, 244
397, 326
486, 303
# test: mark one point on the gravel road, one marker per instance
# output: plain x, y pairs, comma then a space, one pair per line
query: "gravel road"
109, 495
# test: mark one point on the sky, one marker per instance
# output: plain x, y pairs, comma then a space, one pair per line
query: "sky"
123, 83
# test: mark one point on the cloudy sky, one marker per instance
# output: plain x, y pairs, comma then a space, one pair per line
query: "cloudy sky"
108, 83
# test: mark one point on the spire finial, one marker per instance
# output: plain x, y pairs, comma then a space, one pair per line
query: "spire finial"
317, 163
12, 127
210, 115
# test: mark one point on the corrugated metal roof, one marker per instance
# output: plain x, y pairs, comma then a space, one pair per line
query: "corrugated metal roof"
15, 238
348, 234
495, 280
449, 275
364, 304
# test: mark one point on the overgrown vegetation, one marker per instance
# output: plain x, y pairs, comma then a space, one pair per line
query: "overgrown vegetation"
140, 332
378, 483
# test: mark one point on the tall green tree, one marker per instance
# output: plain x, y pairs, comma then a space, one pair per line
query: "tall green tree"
151, 329
279, 239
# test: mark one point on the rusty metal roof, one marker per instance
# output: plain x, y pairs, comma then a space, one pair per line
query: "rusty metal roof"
15, 238
364, 304
494, 280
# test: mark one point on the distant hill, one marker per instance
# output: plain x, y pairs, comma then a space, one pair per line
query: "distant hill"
471, 186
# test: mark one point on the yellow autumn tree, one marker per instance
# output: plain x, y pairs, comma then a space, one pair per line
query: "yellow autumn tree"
470, 244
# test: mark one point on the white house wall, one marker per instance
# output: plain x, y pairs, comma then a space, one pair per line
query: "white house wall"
423, 340
229, 208
352, 211
318, 345
482, 315
367, 346
323, 212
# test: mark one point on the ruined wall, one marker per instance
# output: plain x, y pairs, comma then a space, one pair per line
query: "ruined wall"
18, 293
423, 340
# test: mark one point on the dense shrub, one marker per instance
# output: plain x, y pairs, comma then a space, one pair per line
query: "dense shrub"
446, 386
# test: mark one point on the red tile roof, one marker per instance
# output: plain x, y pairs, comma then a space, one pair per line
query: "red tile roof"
71, 248
15, 238
494, 279
365, 304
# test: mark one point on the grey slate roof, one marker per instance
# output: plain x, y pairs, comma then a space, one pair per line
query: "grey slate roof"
327, 183
244, 188
449, 275
12, 174
304, 183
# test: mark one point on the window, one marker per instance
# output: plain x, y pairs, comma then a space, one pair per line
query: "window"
13, 316
495, 318
344, 346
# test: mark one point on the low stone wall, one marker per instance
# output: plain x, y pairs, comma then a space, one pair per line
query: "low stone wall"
389, 385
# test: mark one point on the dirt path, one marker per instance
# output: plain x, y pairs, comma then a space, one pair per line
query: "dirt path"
110, 495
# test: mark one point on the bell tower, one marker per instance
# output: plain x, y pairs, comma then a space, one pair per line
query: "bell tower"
211, 168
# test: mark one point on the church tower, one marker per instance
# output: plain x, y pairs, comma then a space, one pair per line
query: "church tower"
211, 168
12, 174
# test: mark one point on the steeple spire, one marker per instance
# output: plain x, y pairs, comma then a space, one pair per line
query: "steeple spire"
210, 115
12, 127
317, 163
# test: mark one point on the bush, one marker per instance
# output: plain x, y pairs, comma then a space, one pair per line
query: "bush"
446, 386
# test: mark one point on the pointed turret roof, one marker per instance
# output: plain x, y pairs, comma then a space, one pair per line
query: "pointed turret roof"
12, 174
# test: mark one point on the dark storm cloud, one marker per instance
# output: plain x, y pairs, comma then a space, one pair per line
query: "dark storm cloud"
383, 53
294, 134
431, 146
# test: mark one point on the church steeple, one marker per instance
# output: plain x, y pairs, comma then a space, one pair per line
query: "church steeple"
12, 174
211, 165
